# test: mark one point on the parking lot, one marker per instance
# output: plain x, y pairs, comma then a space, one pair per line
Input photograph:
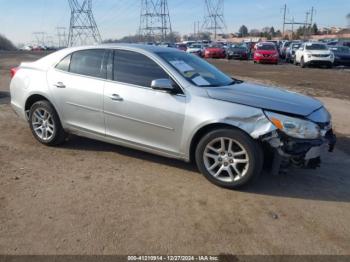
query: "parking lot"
88, 197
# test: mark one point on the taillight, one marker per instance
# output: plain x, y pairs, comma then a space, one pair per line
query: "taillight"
13, 71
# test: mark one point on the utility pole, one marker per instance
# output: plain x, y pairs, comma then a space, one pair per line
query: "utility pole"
214, 20
313, 11
155, 20
306, 24
284, 18
83, 29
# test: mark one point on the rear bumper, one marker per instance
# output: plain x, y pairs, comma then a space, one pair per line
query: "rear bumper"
18, 110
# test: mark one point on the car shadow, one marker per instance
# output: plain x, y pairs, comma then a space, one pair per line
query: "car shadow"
85, 144
331, 182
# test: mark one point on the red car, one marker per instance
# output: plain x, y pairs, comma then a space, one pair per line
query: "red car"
266, 53
214, 52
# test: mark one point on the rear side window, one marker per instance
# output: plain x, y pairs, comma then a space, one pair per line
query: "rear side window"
89, 63
64, 64
136, 69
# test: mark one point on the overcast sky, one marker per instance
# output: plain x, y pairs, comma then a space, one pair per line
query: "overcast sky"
116, 18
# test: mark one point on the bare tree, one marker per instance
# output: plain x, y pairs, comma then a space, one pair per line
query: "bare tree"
6, 44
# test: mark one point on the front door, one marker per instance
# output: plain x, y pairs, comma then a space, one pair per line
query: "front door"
137, 114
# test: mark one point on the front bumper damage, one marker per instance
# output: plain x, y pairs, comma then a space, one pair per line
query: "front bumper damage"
301, 153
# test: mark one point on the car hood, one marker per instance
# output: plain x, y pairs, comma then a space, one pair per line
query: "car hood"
268, 98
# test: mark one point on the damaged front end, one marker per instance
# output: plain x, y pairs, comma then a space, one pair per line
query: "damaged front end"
299, 142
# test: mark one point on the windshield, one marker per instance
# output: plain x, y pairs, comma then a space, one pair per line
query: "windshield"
296, 46
266, 47
316, 47
196, 70
195, 46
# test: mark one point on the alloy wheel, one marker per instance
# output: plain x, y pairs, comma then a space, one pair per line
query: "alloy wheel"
43, 124
226, 159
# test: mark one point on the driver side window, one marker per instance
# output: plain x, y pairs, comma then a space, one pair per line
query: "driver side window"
136, 69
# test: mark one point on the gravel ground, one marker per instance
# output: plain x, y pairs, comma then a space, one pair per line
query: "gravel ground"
88, 197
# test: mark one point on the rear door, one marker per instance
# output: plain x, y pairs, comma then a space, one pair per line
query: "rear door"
77, 84
137, 114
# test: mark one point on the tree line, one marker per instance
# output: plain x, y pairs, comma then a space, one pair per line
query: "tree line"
6, 44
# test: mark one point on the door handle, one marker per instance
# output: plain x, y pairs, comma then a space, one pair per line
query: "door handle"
60, 85
116, 97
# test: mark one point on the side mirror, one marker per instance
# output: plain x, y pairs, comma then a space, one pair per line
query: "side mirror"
165, 85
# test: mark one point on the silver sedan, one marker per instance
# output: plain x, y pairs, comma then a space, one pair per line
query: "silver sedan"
173, 104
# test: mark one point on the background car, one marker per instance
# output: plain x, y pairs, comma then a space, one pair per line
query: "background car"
290, 52
214, 51
284, 47
341, 55
266, 52
196, 49
237, 52
314, 53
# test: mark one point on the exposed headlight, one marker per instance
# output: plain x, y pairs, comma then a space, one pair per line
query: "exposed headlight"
332, 55
294, 127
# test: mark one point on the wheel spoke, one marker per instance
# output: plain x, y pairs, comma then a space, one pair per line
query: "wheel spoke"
222, 142
229, 171
211, 156
214, 165
239, 153
241, 161
219, 171
236, 170
213, 149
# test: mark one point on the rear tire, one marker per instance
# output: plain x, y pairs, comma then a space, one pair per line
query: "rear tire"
45, 124
229, 158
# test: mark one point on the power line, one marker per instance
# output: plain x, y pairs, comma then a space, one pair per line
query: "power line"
214, 21
83, 28
155, 20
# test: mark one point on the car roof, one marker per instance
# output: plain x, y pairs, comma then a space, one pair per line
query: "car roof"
134, 47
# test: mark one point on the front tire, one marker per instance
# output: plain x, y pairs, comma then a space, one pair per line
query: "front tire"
302, 63
45, 124
229, 158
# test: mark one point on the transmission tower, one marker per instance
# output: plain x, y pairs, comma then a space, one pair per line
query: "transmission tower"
155, 20
83, 29
214, 21
62, 37
40, 38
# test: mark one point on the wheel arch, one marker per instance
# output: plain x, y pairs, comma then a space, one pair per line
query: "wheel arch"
201, 132
32, 99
